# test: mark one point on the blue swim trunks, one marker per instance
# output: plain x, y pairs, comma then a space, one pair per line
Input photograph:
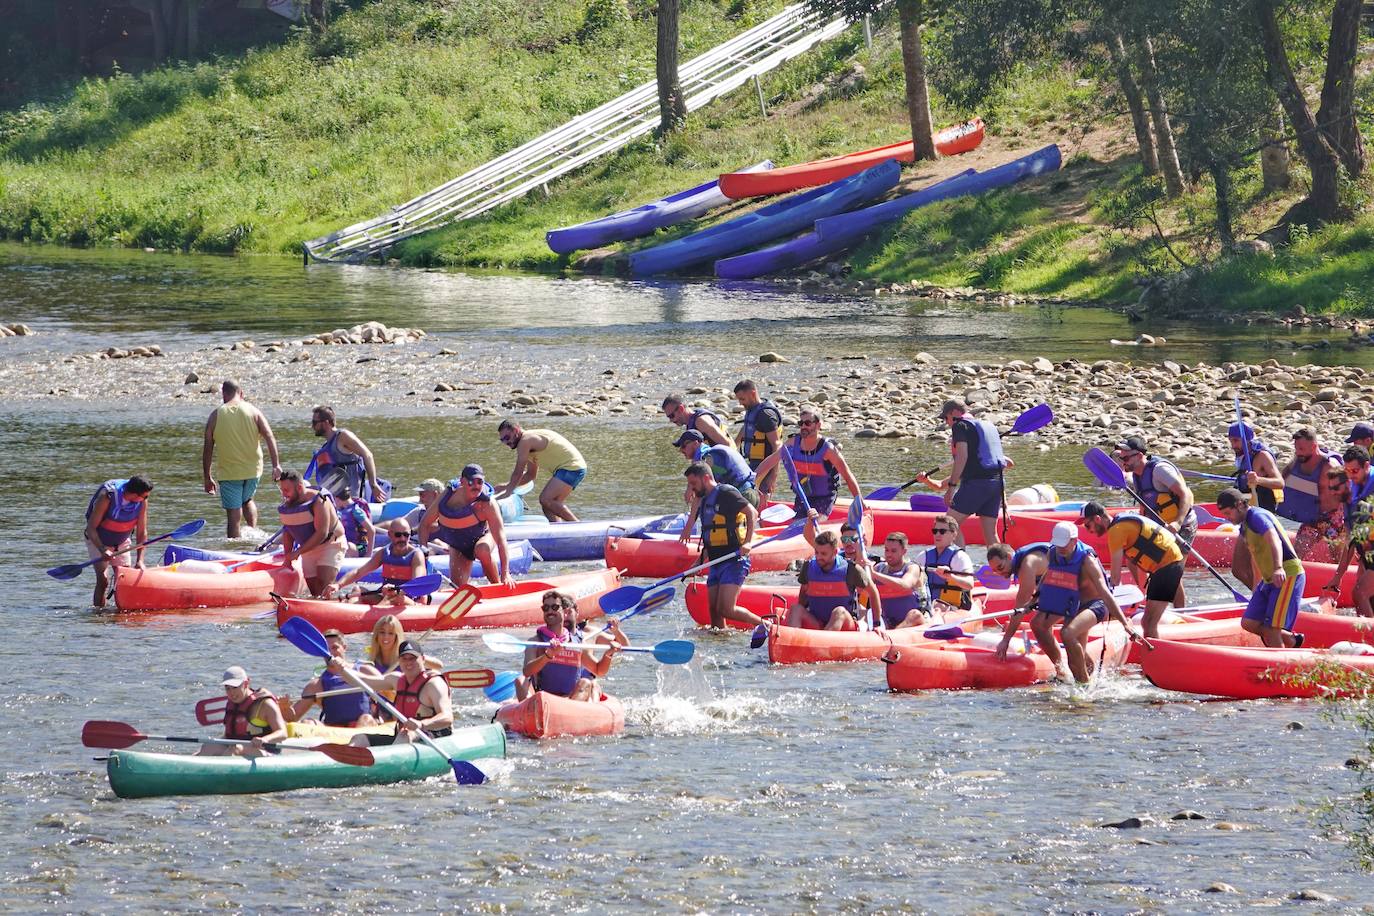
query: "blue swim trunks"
731, 572
571, 478
235, 494
1276, 607
1098, 609
981, 497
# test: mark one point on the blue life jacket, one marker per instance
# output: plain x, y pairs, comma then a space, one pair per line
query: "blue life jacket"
728, 466
1059, 584
1161, 500
940, 588
819, 479
121, 515
1302, 491
1019, 557
341, 710
299, 521
396, 568
561, 675
827, 589
1265, 497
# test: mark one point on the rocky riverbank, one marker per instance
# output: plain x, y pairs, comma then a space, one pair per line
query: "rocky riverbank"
1182, 409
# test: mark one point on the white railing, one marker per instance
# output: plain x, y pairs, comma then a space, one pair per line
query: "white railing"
600, 131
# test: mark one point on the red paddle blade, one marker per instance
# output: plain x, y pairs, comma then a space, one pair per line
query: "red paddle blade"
470, 677
347, 753
100, 733
457, 604
212, 711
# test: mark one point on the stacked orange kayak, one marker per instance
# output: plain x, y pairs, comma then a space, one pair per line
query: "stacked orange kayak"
166, 588
1220, 626
547, 715
1248, 673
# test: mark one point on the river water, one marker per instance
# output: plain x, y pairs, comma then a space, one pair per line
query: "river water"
737, 787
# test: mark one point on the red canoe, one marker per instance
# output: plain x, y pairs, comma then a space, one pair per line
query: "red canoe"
764, 600
500, 606
660, 556
1247, 673
547, 715
1220, 626
972, 663
799, 646
951, 141
166, 588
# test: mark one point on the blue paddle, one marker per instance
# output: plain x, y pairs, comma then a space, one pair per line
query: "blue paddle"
1109, 474
669, 651
1198, 475
302, 634
1124, 595
503, 687
72, 570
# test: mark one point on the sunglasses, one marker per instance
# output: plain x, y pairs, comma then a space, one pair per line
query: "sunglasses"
400, 535
475, 481
552, 607
939, 531
811, 422
849, 539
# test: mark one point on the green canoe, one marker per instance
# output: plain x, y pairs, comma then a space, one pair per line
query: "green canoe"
138, 774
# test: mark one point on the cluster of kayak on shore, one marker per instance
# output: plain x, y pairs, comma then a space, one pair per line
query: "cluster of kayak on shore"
1203, 650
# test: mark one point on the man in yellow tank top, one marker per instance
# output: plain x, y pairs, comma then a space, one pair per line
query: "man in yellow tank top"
233, 443
558, 454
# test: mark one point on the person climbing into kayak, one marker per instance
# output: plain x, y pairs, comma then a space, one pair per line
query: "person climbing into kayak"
234, 436
343, 464
820, 466
1314, 495
422, 697
251, 715
1358, 538
1152, 552
116, 519
1274, 604
1072, 592
563, 668
349, 710
467, 519
568, 466
707, 422
949, 570
728, 522
975, 485
828, 597
426, 494
1161, 485
727, 465
311, 530
901, 584
399, 562
759, 436
1012, 564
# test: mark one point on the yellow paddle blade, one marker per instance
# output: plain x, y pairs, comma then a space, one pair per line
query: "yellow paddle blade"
457, 604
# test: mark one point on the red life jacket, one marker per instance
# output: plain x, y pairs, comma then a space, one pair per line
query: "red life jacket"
238, 724
408, 696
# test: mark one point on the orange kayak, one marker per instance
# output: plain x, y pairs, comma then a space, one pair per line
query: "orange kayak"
547, 715
1248, 673
500, 606
799, 646
971, 662
660, 556
961, 138
166, 588
1220, 626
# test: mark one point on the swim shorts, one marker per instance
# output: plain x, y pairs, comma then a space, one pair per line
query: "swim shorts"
1276, 607
980, 496
571, 478
235, 494
731, 572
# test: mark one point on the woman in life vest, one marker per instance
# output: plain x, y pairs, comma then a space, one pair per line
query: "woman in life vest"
399, 562
252, 715
116, 518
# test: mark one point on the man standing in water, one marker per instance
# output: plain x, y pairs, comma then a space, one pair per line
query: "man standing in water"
727, 526
1273, 607
1314, 494
116, 518
1359, 543
974, 485
760, 434
820, 466
233, 443
562, 457
706, 422
344, 453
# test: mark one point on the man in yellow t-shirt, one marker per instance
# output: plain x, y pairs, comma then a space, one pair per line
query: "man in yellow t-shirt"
233, 442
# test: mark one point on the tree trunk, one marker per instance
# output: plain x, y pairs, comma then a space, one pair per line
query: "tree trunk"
1322, 202
153, 9
1336, 116
672, 108
1275, 162
911, 13
1221, 182
1164, 133
1131, 89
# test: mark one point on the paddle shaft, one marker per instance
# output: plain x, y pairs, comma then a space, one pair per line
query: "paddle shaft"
395, 713
184, 531
1191, 549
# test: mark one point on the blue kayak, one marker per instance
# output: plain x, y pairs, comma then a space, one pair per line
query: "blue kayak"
803, 249
641, 220
521, 558
586, 540
869, 218
792, 214
512, 507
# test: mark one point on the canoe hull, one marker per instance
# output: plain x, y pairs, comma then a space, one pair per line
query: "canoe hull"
964, 664
521, 556
546, 715
660, 557
139, 774
163, 589
1247, 673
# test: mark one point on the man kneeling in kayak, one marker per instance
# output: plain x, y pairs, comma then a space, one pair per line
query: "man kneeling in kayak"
562, 668
1273, 606
400, 561
252, 715
350, 707
1073, 592
828, 598
422, 697
1152, 551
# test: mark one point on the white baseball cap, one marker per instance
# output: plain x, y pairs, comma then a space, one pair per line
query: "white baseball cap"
1065, 533
234, 677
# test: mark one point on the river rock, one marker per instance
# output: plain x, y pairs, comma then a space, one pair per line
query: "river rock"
19, 330
771, 357
1313, 894
1327, 394
1219, 887
1130, 823
1042, 365
191, 378
1188, 814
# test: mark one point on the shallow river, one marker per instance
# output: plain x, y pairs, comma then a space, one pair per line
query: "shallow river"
737, 787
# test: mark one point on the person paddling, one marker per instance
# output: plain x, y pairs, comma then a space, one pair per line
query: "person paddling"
116, 518
760, 434
1161, 485
558, 454
728, 522
349, 710
1357, 541
707, 422
820, 466
901, 585
1152, 552
467, 519
1314, 495
975, 486
727, 465
422, 698
311, 531
399, 562
1073, 593
1274, 604
828, 597
251, 715
344, 457
563, 668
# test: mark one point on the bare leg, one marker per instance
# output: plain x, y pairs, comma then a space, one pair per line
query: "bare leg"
487, 558
721, 601
323, 576
959, 519
989, 524
584, 691
102, 584
553, 499
1364, 590
250, 513
233, 523
459, 568
914, 618
524, 688
1042, 625
1075, 636
840, 620
1153, 611
1272, 637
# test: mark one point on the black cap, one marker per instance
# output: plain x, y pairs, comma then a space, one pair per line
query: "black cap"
473, 471
1133, 444
1360, 431
1093, 510
411, 648
690, 435
1230, 498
